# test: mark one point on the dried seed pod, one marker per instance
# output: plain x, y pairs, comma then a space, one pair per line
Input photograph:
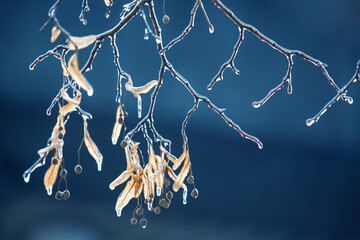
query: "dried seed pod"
169, 195
63, 173
167, 204
162, 202
133, 220
139, 211
58, 195
143, 223
157, 210
78, 169
166, 19
166, 182
194, 193
190, 179
60, 136
54, 161
123, 144
66, 195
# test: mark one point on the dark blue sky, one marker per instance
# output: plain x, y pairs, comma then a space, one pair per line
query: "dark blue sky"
304, 184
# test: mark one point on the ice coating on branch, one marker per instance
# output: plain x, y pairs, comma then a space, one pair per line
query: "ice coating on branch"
146, 35
139, 106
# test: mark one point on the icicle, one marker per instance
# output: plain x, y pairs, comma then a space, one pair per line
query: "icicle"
139, 107
118, 213
99, 163
26, 177
185, 196
49, 191
149, 205
158, 191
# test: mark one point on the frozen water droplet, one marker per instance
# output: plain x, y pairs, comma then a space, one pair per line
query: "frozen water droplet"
90, 92
26, 177
149, 205
185, 196
139, 107
49, 191
211, 29
107, 15
158, 191
256, 104
349, 100
158, 40
310, 122
118, 213
31, 67
99, 163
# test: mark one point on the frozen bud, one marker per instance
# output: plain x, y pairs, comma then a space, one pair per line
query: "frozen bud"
78, 169
123, 144
190, 180
157, 210
133, 220
61, 128
194, 193
143, 223
65, 195
58, 195
63, 173
166, 19
139, 211
121, 120
54, 161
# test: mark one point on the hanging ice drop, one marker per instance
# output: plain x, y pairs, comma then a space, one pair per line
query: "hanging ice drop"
139, 107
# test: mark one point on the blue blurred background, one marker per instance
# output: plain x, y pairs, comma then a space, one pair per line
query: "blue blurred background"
304, 184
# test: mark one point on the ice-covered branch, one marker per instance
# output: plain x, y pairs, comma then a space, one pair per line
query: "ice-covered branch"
152, 176
287, 53
343, 90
